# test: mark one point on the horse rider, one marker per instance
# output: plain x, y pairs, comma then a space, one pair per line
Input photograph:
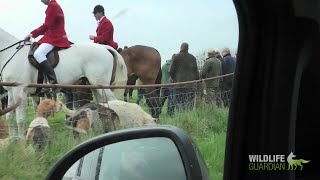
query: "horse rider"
104, 30
54, 35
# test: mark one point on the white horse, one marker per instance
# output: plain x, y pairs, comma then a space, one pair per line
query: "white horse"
89, 60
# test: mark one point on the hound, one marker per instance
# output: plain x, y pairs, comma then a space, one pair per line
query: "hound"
107, 117
39, 129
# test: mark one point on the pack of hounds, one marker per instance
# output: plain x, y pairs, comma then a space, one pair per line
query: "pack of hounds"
92, 117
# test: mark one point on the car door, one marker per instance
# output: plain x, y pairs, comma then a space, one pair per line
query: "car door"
275, 97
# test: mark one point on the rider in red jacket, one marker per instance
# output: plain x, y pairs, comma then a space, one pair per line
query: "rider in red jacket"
104, 30
54, 35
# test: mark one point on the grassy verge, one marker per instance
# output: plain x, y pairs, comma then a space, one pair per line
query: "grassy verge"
206, 126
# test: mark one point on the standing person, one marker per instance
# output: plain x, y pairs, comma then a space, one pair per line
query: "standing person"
54, 35
228, 66
212, 68
218, 55
184, 68
104, 30
168, 92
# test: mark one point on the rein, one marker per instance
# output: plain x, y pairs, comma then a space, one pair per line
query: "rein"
18, 49
12, 46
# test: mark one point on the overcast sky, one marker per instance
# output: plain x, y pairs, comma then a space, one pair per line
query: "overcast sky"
163, 24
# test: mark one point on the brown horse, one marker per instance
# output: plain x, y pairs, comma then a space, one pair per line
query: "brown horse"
144, 62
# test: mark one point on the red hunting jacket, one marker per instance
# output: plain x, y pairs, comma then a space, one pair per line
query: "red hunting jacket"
105, 33
53, 28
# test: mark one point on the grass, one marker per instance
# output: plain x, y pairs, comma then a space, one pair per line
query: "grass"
207, 126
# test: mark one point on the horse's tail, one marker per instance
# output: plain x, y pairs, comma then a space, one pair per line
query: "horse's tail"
120, 73
159, 76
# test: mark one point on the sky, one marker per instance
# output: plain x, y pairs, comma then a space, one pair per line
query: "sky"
162, 24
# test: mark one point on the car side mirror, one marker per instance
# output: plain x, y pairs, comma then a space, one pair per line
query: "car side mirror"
159, 152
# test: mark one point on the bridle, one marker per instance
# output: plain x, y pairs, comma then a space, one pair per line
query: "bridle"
19, 42
20, 46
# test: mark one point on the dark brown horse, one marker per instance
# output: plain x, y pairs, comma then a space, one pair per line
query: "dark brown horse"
144, 62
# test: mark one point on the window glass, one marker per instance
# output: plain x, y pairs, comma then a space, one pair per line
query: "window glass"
143, 159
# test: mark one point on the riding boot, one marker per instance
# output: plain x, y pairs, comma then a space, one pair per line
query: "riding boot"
47, 69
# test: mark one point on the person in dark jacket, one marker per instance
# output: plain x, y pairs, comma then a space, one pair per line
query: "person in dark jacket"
228, 66
212, 68
218, 55
184, 68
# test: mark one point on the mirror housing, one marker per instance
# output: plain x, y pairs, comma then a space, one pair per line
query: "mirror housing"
193, 162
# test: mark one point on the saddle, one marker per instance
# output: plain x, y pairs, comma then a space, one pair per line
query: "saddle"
52, 56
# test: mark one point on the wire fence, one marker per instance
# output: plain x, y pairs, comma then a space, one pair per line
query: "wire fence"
167, 101
50, 130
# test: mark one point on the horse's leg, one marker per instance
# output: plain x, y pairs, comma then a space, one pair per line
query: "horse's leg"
130, 93
103, 95
21, 111
75, 99
48, 96
35, 102
126, 94
4, 100
9, 115
153, 99
55, 97
83, 96
68, 101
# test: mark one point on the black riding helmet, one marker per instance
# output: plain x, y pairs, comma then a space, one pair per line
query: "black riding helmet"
98, 8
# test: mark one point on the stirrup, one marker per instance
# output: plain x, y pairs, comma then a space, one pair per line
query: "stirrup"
49, 90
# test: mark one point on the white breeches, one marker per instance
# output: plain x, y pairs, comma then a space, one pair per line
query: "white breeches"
42, 51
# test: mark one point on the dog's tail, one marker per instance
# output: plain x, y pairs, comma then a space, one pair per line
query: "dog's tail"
64, 108
81, 131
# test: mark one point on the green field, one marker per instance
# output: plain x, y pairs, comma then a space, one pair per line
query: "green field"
207, 126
